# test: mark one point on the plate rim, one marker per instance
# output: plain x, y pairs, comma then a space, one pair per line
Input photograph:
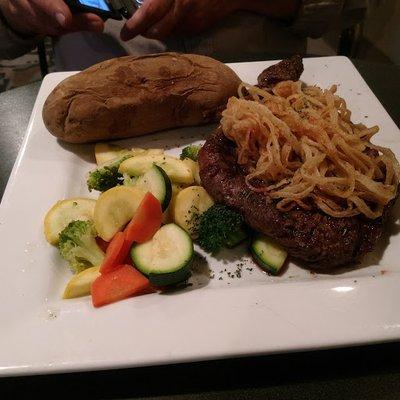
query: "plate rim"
379, 336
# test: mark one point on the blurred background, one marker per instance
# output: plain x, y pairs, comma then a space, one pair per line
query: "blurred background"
371, 37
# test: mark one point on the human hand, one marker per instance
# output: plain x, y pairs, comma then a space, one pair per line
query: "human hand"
47, 17
158, 19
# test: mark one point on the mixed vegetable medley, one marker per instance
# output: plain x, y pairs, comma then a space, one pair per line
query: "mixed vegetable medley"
137, 237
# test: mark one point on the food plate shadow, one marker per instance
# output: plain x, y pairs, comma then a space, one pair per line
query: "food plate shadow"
200, 277
83, 151
175, 137
228, 256
166, 140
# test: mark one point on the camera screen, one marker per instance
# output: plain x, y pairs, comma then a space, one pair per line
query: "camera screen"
100, 4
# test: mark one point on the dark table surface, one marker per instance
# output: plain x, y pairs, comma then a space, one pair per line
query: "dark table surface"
368, 372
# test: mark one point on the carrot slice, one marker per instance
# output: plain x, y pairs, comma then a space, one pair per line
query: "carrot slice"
123, 282
146, 221
115, 254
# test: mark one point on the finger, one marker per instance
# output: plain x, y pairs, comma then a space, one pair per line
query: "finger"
147, 15
26, 17
163, 28
57, 10
13, 6
64, 21
18, 12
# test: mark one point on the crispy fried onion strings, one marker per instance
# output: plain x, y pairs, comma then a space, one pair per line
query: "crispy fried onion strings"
299, 146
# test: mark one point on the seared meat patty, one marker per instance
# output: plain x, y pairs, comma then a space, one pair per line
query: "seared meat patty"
322, 241
289, 69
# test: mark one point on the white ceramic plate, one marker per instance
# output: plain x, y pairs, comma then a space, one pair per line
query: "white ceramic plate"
214, 318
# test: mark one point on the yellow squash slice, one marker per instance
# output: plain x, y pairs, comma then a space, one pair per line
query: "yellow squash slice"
188, 206
64, 212
115, 208
80, 284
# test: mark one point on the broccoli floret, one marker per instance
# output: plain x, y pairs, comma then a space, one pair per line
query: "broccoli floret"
103, 179
77, 244
191, 151
107, 176
219, 227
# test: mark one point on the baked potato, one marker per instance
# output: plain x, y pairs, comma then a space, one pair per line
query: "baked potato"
131, 96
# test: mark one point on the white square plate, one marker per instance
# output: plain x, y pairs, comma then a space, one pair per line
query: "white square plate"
218, 316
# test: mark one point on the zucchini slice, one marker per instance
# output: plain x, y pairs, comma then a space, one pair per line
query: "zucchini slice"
176, 169
268, 254
169, 212
64, 212
156, 181
166, 258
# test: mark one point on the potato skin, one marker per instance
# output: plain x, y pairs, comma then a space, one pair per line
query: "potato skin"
131, 96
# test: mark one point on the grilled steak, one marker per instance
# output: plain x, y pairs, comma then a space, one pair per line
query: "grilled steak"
322, 241
286, 70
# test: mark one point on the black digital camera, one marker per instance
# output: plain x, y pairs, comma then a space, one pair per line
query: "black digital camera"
115, 9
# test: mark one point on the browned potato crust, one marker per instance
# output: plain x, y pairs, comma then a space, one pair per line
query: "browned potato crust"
131, 96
